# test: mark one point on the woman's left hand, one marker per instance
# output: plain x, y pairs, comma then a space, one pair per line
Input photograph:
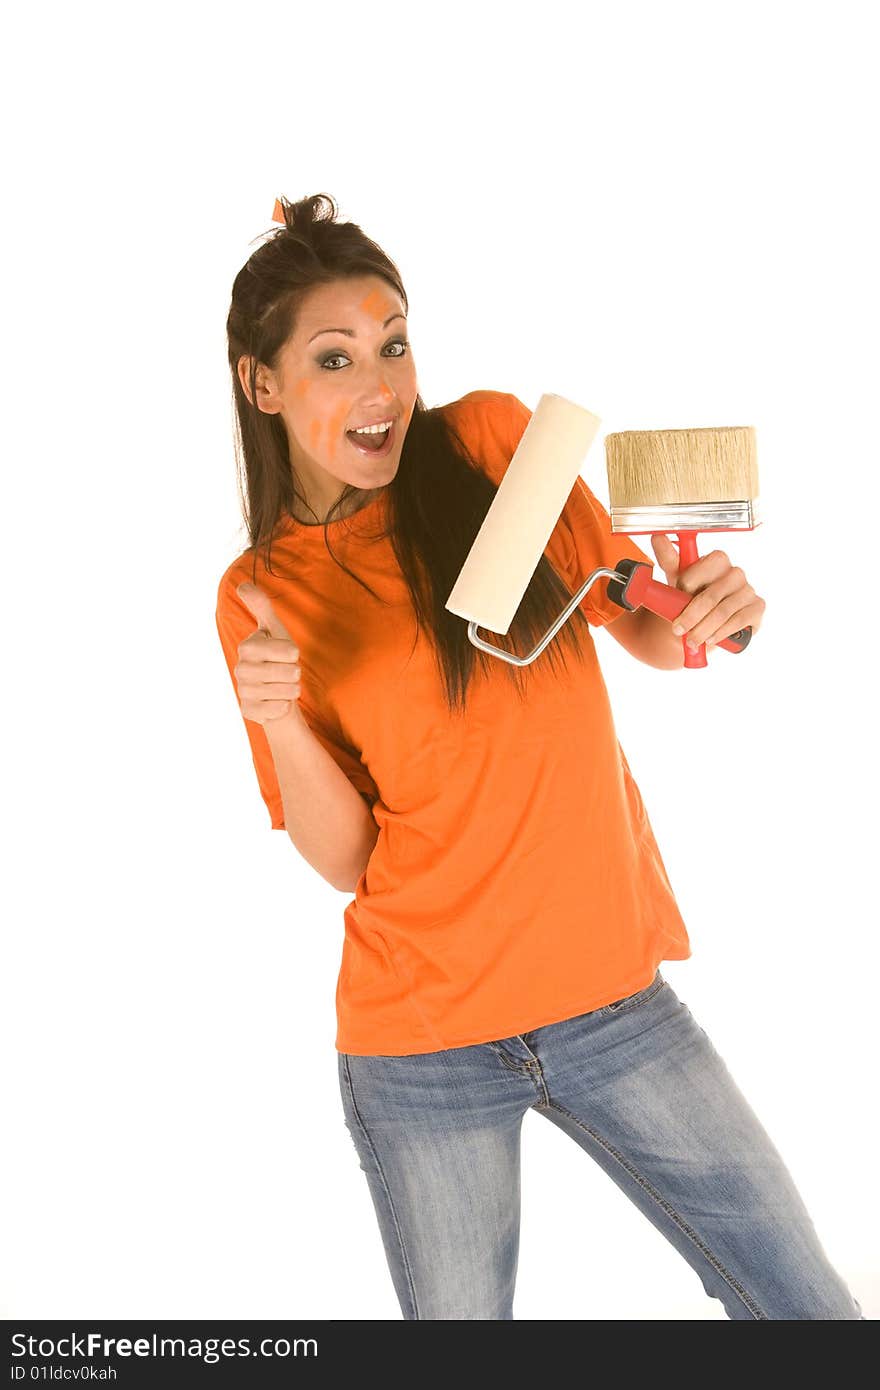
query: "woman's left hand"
724, 599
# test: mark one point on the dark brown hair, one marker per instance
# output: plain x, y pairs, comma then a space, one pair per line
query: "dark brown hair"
439, 496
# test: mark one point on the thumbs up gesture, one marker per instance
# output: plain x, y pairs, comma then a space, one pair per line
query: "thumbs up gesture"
267, 675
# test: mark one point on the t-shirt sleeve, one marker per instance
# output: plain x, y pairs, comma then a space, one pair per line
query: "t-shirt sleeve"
582, 539
235, 622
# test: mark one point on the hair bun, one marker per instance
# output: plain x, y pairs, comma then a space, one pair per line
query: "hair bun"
306, 212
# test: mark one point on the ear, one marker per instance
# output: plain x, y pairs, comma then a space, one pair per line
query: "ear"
267, 399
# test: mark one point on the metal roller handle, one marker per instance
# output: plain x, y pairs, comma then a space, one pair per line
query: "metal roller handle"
631, 586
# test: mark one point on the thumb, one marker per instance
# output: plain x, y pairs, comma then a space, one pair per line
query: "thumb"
260, 604
667, 555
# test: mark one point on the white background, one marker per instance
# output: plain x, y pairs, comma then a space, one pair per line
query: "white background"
663, 212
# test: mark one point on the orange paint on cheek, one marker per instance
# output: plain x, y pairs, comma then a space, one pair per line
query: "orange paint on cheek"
333, 424
337, 422
301, 387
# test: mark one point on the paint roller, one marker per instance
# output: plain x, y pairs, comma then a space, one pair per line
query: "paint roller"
684, 481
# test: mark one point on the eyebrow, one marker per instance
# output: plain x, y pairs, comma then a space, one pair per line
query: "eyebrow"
349, 332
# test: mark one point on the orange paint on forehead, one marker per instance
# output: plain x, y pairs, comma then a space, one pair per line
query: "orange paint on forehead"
376, 303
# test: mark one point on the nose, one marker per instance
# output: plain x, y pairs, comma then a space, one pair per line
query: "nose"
382, 398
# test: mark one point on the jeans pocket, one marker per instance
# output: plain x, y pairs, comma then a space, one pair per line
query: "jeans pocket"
632, 1001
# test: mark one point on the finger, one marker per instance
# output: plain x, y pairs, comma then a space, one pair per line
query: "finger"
750, 615
706, 570
253, 675
259, 603
274, 671
712, 608
702, 603
261, 647
267, 673
666, 554
269, 710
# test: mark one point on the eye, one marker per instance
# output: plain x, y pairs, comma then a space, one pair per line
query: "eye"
402, 343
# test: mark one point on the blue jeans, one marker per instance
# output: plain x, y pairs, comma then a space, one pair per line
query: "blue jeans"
640, 1087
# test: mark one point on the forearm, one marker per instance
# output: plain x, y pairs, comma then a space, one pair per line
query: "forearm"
659, 646
325, 816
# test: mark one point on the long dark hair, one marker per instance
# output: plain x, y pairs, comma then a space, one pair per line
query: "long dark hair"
439, 496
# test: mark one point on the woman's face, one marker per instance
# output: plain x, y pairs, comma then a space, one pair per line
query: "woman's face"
348, 363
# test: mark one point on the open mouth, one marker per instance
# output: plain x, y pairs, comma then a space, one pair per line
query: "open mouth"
365, 443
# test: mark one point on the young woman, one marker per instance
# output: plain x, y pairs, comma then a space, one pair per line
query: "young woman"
511, 906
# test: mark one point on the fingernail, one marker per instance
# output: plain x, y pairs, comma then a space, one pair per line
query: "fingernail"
678, 629
694, 646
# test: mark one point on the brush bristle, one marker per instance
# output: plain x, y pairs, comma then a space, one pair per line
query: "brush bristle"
657, 467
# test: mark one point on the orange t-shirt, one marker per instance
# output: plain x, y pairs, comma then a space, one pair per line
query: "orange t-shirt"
516, 880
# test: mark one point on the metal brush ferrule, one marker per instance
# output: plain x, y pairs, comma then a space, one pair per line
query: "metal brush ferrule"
551, 633
687, 516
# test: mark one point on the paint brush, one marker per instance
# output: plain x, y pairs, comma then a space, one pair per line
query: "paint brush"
686, 481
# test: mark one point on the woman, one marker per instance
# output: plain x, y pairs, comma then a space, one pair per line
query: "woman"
511, 906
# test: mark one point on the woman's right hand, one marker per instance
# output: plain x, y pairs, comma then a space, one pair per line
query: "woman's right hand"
267, 675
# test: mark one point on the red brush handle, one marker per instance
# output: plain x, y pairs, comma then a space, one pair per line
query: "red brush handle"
641, 591
687, 554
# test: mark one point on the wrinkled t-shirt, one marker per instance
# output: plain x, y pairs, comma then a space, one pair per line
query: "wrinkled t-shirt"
515, 881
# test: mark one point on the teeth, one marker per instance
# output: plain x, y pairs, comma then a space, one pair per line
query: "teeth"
373, 429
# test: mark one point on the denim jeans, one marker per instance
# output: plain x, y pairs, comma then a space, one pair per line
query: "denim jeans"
640, 1087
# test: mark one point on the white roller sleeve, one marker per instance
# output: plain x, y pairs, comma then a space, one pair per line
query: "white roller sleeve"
520, 521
